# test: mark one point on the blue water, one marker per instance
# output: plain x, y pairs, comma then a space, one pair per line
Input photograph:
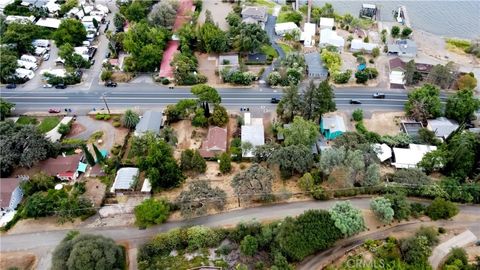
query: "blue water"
446, 18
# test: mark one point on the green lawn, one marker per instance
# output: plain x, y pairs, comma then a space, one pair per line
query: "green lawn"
26, 120
269, 50
287, 49
458, 43
48, 124
266, 3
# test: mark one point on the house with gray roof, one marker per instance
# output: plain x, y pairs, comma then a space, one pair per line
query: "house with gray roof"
254, 14
151, 121
403, 47
125, 179
315, 67
442, 127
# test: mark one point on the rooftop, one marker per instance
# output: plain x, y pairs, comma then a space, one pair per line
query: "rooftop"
315, 65
442, 126
61, 164
328, 22
254, 11
7, 186
404, 46
358, 44
125, 178
330, 37
150, 122
334, 123
383, 151
216, 141
409, 157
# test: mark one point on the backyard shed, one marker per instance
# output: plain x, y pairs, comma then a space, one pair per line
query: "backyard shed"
332, 126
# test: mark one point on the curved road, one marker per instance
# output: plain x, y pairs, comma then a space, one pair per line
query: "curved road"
44, 242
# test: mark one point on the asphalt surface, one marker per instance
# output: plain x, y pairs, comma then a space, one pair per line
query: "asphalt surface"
143, 96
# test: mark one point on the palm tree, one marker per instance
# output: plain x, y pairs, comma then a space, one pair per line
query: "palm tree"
130, 119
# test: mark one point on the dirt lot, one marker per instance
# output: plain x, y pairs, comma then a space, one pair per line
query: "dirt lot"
18, 260
384, 123
95, 190
186, 140
41, 224
219, 12
207, 64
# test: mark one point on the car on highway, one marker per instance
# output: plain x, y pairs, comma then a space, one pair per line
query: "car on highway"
47, 85
11, 86
355, 101
378, 95
53, 110
274, 100
61, 86
110, 84
46, 57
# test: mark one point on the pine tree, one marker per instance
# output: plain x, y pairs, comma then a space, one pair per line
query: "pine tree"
98, 154
88, 155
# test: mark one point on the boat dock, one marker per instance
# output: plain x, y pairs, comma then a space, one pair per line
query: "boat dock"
370, 11
402, 16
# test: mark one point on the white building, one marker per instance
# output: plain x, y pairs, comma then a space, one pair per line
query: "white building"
409, 157
4, 3
327, 23
59, 72
383, 151
308, 34
19, 19
125, 179
329, 37
24, 73
252, 132
102, 8
282, 28
358, 45
49, 23
28, 58
10, 193
42, 43
27, 65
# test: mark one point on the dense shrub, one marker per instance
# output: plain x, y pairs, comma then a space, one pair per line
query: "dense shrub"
441, 209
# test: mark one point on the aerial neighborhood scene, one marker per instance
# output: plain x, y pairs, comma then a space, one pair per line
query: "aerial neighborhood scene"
239, 134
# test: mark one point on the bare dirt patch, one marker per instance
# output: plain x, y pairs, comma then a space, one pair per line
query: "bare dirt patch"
42, 224
189, 137
219, 12
76, 129
95, 191
207, 65
384, 123
18, 260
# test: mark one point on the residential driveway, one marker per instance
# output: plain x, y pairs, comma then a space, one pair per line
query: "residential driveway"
91, 126
442, 250
36, 83
270, 29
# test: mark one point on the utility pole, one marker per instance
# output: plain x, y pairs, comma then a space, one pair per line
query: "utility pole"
106, 105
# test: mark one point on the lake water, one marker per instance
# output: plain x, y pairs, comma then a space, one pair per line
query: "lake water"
446, 18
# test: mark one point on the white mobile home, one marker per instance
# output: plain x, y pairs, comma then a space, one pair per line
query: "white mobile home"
282, 28
28, 58
24, 73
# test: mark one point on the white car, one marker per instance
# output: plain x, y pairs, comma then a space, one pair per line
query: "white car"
46, 57
47, 85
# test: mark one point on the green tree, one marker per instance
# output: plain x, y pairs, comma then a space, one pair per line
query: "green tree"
253, 183
136, 11
401, 207
185, 68
88, 252
318, 100
382, 208
211, 39
410, 69
192, 161
88, 155
145, 44
22, 35
249, 245
347, 219
424, 103
457, 259
332, 61
312, 231
306, 182
163, 14
8, 65
416, 250
199, 120
151, 212
395, 31
357, 115
372, 175
64, 129
375, 52
206, 93
130, 119
301, 132
70, 31
441, 209
67, 6
467, 81
406, 32
427, 136
72, 59
159, 165
225, 163
464, 153
462, 105
37, 183
292, 16
292, 159
290, 104
199, 197
248, 37
434, 160
98, 154
443, 75
361, 77
5, 108
219, 116
411, 177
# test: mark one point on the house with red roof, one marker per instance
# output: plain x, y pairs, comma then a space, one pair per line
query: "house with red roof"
10, 193
65, 168
215, 143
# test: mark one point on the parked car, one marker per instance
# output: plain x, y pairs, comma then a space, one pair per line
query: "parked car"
53, 110
274, 100
11, 86
110, 84
170, 87
47, 85
61, 86
46, 57
355, 101
379, 95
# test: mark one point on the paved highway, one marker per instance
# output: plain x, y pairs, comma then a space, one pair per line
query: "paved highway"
149, 96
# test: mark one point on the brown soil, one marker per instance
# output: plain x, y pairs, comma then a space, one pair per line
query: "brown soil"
384, 123
95, 190
42, 224
121, 77
18, 260
187, 138
207, 65
76, 129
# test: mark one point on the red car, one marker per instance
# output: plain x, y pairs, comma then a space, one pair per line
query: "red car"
53, 111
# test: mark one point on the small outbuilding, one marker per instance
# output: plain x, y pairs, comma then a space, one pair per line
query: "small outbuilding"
357, 45
283, 28
332, 126
329, 37
151, 121
49, 23
442, 127
10, 193
327, 23
125, 179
